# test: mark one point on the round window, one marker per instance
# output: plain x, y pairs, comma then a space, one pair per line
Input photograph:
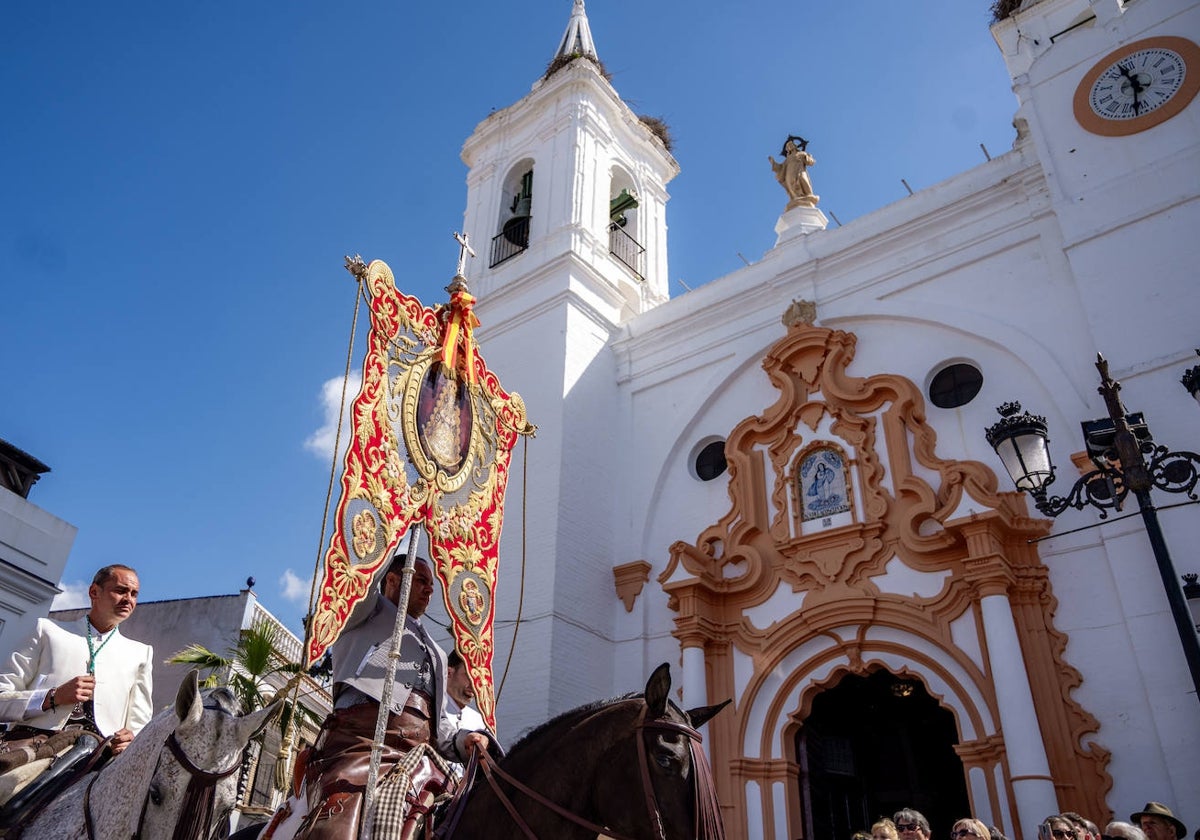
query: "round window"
710, 461
955, 385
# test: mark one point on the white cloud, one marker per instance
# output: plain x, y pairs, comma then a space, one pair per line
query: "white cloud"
295, 588
320, 442
74, 595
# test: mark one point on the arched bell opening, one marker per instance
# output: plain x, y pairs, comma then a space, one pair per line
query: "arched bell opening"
516, 213
625, 236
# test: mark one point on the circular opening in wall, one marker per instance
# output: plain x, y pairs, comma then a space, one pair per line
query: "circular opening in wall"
955, 385
710, 462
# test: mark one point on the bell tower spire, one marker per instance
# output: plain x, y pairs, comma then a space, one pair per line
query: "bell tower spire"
577, 40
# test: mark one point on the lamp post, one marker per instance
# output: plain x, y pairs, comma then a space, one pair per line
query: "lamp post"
1119, 447
1191, 381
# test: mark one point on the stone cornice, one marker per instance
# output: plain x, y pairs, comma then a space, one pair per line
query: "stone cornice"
846, 260
578, 80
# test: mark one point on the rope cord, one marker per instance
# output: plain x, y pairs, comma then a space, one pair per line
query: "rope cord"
337, 444
520, 595
287, 743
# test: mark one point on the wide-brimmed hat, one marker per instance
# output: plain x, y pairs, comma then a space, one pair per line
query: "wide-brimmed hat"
1157, 809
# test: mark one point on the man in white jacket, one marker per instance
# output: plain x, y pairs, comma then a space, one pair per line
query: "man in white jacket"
84, 671
459, 694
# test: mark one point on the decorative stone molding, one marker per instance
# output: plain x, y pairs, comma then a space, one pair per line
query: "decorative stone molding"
800, 313
629, 579
848, 623
1082, 462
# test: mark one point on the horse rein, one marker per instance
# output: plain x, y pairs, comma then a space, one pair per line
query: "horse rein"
644, 760
491, 770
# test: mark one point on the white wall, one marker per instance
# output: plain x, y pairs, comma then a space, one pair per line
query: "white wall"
34, 545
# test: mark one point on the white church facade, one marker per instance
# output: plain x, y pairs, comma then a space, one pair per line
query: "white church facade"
779, 482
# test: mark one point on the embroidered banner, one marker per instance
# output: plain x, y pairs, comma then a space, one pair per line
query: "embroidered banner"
430, 444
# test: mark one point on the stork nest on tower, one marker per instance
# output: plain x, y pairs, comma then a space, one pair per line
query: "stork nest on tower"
658, 126
561, 61
1002, 9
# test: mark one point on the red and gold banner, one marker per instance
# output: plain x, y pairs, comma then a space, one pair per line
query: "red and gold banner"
429, 445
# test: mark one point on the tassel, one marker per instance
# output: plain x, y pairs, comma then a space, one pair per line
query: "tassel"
282, 777
283, 767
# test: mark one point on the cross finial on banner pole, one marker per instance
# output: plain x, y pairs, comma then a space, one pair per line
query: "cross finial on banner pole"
463, 250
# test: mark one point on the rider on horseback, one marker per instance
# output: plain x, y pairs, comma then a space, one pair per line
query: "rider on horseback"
420, 735
83, 672
68, 686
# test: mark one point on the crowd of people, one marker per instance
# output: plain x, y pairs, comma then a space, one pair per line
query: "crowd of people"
1154, 822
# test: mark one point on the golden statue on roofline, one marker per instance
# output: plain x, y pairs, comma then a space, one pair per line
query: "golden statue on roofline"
792, 172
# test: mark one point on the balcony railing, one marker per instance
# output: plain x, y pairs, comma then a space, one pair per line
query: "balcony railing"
626, 249
511, 241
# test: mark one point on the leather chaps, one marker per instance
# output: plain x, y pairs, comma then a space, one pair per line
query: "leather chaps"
337, 769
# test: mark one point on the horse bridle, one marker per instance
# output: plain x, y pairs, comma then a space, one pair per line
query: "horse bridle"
700, 773
196, 811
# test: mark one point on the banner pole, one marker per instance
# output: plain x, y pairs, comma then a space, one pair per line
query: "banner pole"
385, 702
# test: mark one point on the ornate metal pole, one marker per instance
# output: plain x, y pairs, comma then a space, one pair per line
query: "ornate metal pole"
1118, 448
1137, 477
370, 799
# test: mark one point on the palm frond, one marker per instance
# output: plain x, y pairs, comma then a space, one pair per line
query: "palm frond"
251, 670
199, 656
257, 649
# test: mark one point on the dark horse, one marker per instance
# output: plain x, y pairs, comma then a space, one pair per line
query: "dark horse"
631, 768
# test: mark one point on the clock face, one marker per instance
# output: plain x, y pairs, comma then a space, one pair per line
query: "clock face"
1138, 86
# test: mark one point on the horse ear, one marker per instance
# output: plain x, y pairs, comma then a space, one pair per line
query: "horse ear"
703, 714
657, 689
249, 725
188, 705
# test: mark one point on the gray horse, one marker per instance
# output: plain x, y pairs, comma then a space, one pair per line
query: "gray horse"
179, 773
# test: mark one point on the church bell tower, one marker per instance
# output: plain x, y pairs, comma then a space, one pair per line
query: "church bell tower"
566, 211
570, 176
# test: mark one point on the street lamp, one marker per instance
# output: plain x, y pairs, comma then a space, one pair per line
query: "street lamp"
1191, 381
1118, 447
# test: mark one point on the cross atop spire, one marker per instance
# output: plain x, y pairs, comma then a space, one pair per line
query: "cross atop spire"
577, 40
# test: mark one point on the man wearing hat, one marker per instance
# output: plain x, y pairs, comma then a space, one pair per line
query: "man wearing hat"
335, 780
1157, 821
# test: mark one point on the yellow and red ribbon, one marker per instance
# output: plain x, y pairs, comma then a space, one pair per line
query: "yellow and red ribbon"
459, 327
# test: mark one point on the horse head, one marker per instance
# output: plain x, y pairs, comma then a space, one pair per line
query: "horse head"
664, 786
631, 768
195, 776
176, 775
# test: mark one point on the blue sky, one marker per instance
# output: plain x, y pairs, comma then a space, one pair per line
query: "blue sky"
180, 182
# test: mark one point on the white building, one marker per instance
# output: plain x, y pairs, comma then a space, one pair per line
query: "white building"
34, 545
889, 634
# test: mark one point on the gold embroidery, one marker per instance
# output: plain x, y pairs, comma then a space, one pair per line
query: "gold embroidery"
365, 533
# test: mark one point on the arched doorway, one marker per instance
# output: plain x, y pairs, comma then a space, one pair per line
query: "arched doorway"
873, 745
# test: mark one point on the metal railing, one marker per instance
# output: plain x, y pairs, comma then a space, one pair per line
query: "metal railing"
511, 241
285, 641
626, 249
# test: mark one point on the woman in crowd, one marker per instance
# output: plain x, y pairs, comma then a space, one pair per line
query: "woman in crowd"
969, 829
884, 829
1056, 827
